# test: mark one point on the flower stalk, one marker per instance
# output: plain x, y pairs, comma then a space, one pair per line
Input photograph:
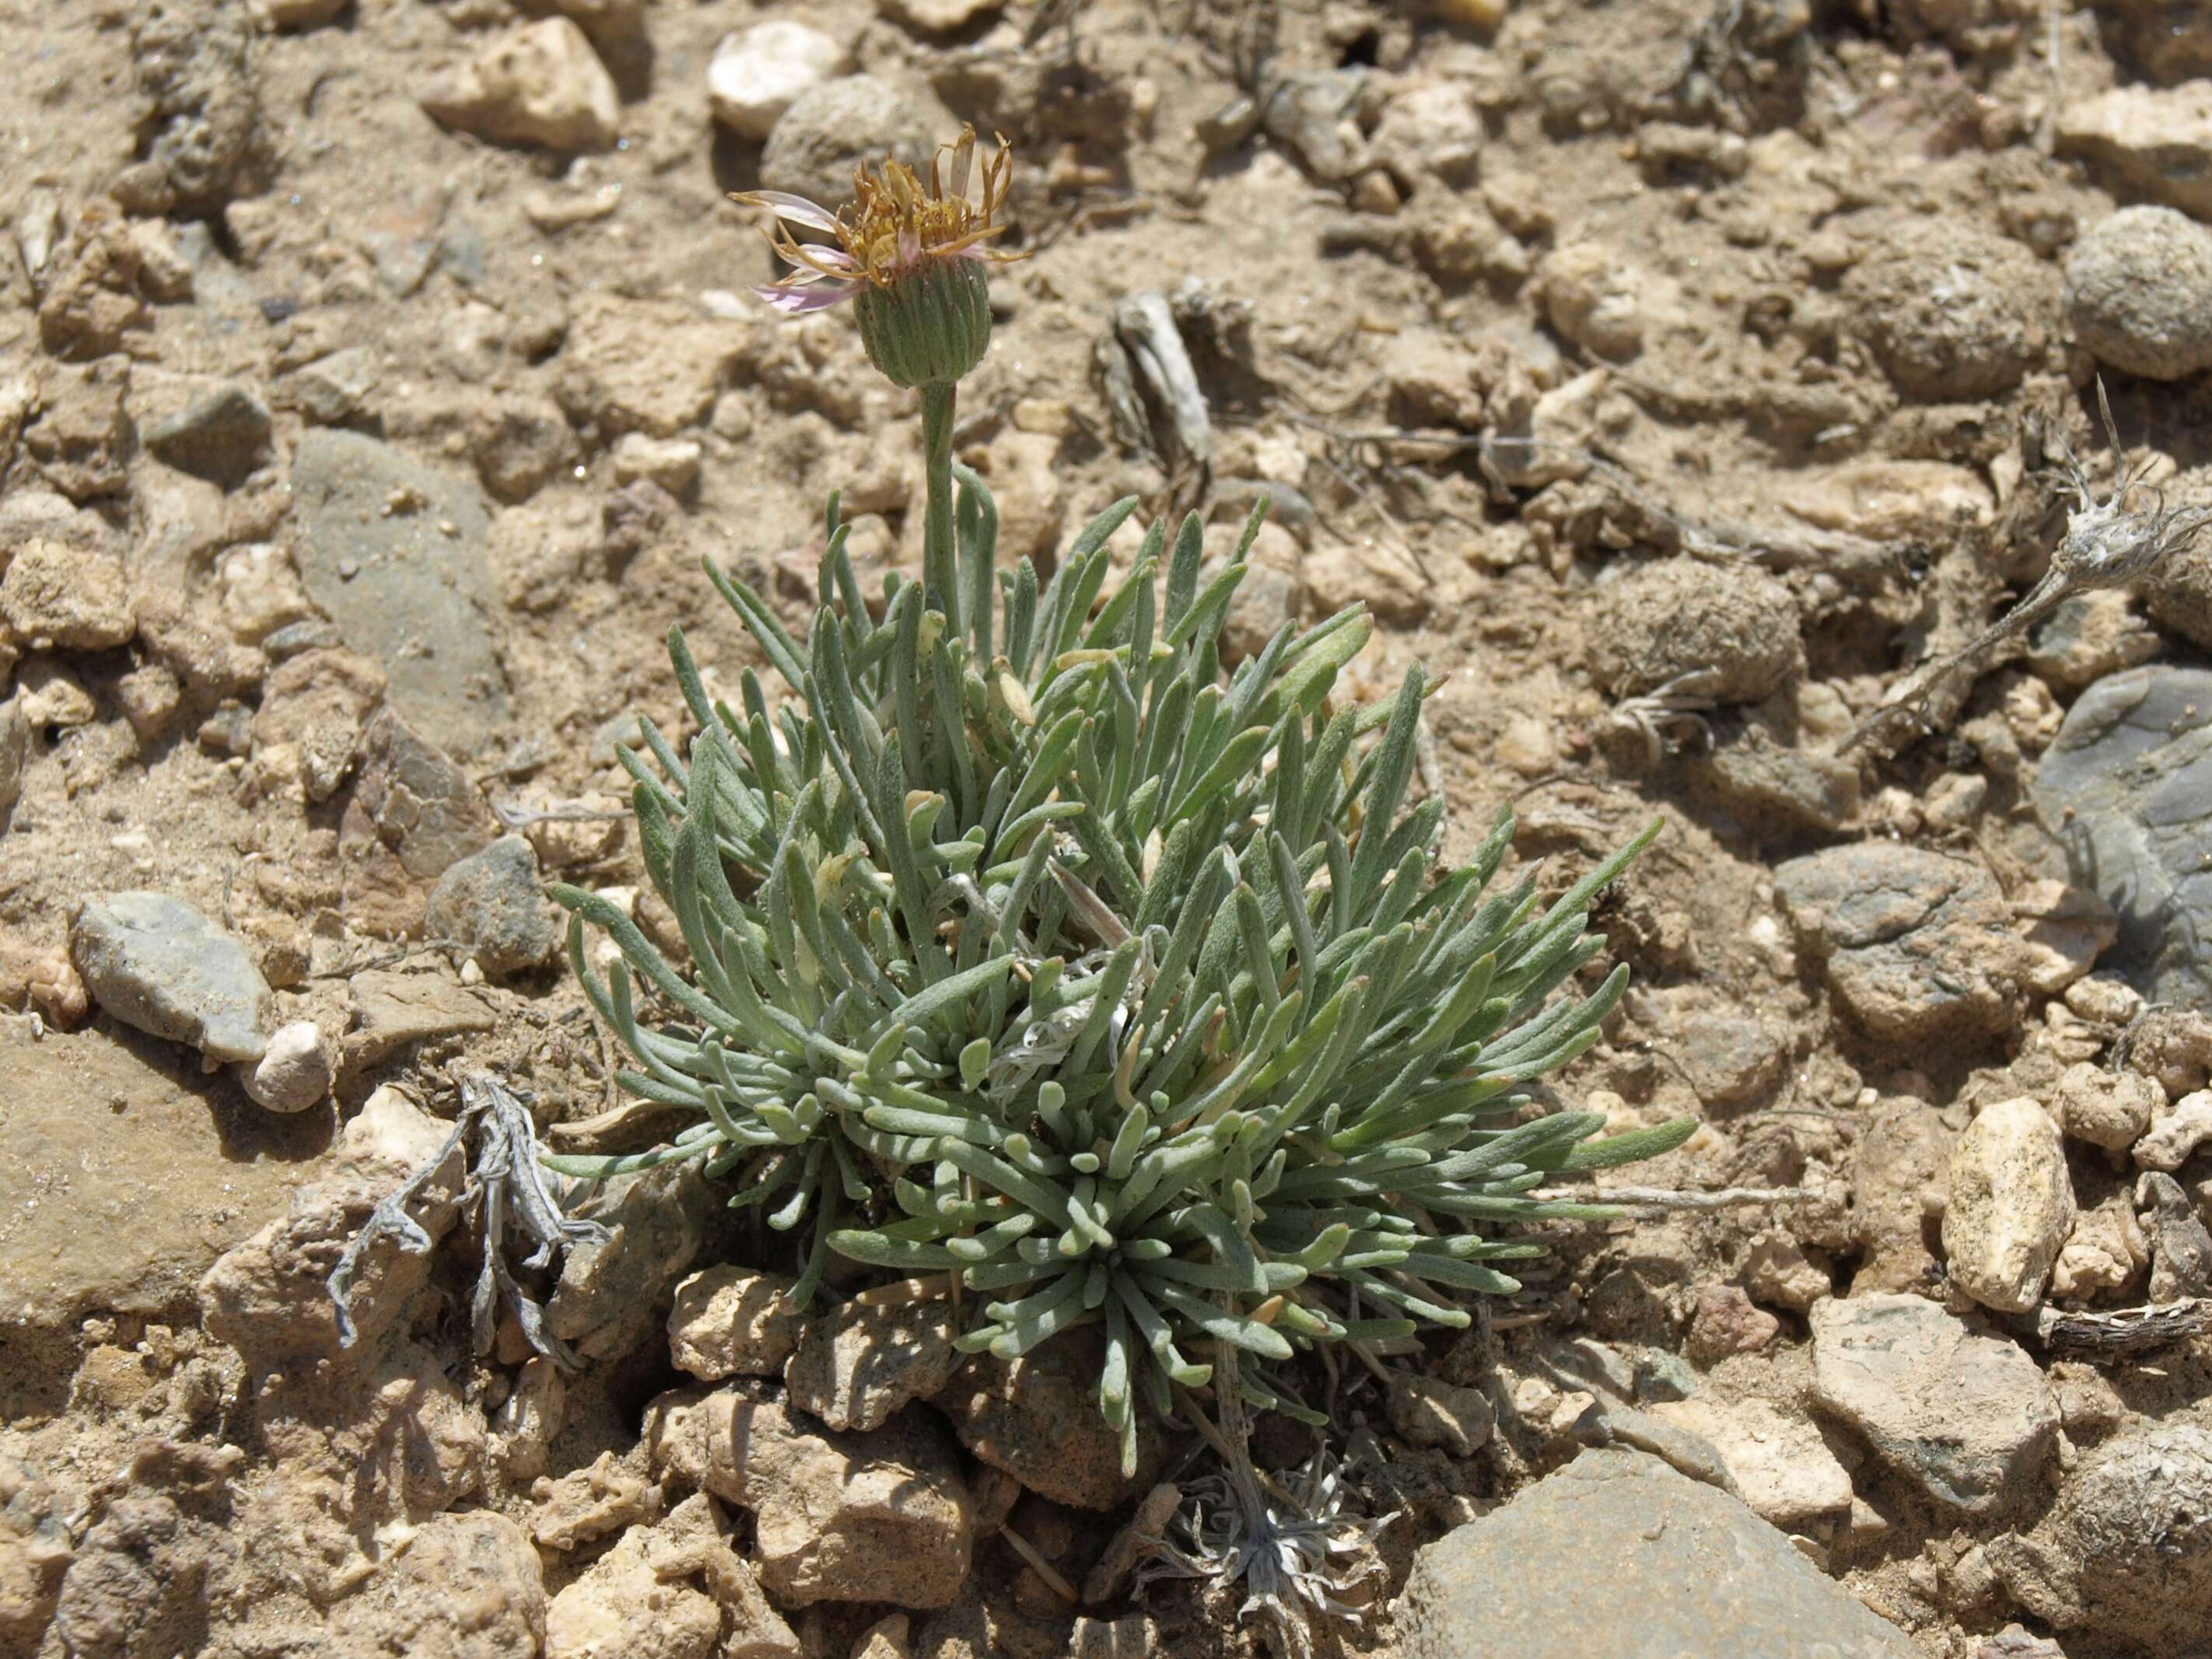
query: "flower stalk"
940, 573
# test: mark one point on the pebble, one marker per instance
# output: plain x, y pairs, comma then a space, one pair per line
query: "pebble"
1776, 1272
1427, 1410
417, 800
2150, 141
758, 73
221, 434
671, 463
82, 439
1727, 1323
1780, 788
2107, 1000
2175, 1136
1780, 1466
59, 596
882, 1516
2104, 1109
1593, 300
296, 1072
834, 127
334, 388
1432, 128
494, 904
2126, 789
156, 963
1967, 1419
1688, 1568
393, 552
538, 84
2011, 1204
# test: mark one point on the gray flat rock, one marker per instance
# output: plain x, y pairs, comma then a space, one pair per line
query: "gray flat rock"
1967, 1418
1621, 1555
125, 1179
155, 962
2126, 787
392, 551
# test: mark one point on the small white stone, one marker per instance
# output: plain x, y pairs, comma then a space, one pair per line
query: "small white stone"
538, 84
671, 463
2011, 1205
757, 73
2174, 1139
295, 1073
391, 1125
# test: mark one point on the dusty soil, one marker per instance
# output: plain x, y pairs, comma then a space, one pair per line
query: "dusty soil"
1589, 347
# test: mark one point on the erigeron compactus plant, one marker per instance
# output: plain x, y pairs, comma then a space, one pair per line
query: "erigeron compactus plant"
1040, 963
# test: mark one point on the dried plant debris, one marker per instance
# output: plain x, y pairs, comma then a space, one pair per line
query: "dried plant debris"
2122, 1333
2107, 544
1303, 1554
1665, 718
507, 1188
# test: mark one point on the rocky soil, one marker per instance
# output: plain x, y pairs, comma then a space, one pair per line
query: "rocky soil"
1671, 378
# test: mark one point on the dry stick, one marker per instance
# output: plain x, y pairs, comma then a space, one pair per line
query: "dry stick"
1043, 1568
1661, 1199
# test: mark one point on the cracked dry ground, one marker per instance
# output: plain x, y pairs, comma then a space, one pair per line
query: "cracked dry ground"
373, 376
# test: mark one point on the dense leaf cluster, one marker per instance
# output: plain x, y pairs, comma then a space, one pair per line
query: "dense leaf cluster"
1029, 947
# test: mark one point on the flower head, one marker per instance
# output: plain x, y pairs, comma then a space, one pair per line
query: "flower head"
895, 227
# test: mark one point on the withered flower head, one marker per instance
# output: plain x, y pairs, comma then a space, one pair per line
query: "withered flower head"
913, 252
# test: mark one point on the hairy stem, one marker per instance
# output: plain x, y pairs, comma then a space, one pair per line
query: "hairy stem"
939, 575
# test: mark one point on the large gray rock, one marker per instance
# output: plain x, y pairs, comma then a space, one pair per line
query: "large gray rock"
392, 551
155, 962
1967, 1419
1917, 946
1681, 1568
2127, 787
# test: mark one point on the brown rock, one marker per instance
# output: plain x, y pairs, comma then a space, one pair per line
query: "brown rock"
1917, 947
538, 84
1037, 1418
856, 1366
1680, 615
732, 1321
1966, 1418
882, 1516
1727, 1323
82, 439
56, 596
644, 365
